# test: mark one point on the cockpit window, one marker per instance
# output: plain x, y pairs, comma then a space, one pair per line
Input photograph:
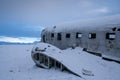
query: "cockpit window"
43, 37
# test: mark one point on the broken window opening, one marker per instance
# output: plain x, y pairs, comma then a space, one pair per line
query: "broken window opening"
92, 35
78, 35
118, 29
59, 36
52, 35
68, 35
110, 36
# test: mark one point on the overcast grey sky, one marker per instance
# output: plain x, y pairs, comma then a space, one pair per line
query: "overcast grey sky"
50, 12
26, 18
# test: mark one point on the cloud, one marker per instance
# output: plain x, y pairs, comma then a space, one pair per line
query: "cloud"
99, 10
50, 12
18, 39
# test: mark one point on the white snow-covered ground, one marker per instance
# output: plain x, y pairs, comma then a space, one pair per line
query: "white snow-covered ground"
16, 64
93, 67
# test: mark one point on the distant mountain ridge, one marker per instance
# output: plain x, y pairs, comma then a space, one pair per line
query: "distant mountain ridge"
15, 43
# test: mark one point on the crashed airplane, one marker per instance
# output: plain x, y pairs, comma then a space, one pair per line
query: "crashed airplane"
98, 36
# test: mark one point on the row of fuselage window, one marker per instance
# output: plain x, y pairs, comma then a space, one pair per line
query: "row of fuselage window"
110, 36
